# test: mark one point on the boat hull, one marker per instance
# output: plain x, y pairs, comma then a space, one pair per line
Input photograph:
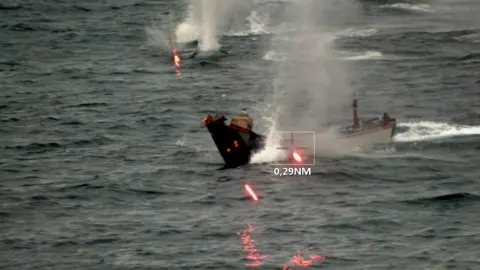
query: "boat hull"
235, 146
333, 143
336, 141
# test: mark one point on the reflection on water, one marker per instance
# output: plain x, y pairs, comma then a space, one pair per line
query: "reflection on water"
254, 256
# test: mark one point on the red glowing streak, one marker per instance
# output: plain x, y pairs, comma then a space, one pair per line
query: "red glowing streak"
177, 62
296, 156
251, 192
176, 58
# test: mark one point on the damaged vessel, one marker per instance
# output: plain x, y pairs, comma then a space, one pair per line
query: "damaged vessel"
236, 141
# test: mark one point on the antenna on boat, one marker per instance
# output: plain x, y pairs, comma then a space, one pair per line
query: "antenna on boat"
356, 120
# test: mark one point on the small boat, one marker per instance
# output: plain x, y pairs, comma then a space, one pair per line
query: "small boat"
236, 142
362, 133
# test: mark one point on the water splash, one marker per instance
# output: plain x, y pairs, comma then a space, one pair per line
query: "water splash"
157, 37
206, 20
311, 87
210, 10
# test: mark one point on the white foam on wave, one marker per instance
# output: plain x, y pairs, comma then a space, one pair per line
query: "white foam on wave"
257, 26
391, 153
473, 38
410, 7
347, 56
350, 32
424, 131
368, 55
274, 56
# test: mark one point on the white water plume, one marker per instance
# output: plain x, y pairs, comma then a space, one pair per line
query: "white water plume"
206, 19
204, 22
210, 11
158, 36
311, 88
162, 35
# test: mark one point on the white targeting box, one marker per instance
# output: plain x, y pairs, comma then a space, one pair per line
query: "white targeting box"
295, 141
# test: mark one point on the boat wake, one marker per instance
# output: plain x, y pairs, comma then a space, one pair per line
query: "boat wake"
427, 131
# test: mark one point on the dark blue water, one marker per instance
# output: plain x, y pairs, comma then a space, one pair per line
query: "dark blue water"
104, 163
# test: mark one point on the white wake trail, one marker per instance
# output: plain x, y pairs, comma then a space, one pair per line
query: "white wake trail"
425, 131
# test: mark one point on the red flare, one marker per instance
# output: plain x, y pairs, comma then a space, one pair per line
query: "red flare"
177, 61
176, 58
297, 156
251, 192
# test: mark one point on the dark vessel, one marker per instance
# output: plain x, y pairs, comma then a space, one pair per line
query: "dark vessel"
236, 142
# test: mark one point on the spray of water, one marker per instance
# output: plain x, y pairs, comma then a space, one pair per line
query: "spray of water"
204, 21
161, 34
158, 37
207, 19
311, 89
211, 12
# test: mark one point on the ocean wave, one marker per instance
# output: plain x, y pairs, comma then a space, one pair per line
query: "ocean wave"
452, 197
350, 32
473, 38
369, 55
425, 8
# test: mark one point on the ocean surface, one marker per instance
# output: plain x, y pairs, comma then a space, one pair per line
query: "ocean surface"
104, 163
